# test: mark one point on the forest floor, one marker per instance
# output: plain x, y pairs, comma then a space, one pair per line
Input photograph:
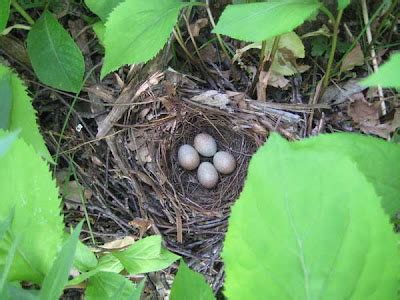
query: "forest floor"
119, 136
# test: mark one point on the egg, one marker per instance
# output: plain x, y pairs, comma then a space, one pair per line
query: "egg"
205, 144
224, 162
207, 175
188, 157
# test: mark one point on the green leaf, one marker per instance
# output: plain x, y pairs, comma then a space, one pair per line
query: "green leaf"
14, 291
6, 100
321, 232
84, 259
256, 22
342, 4
99, 29
146, 255
189, 284
23, 116
56, 59
102, 8
107, 263
53, 284
110, 286
6, 223
27, 184
10, 257
4, 14
374, 157
150, 24
387, 75
6, 141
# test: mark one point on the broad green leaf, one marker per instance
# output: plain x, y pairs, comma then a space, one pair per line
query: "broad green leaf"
27, 184
6, 141
84, 259
189, 284
56, 59
107, 263
6, 223
342, 4
387, 75
256, 22
99, 29
55, 280
374, 157
23, 116
321, 232
6, 100
110, 286
146, 255
6, 269
14, 291
150, 24
4, 13
102, 8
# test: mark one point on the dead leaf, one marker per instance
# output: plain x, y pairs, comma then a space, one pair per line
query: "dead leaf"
119, 243
212, 98
354, 58
197, 26
366, 117
337, 94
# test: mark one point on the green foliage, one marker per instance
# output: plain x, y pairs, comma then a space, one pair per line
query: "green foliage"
342, 4
321, 232
112, 286
256, 22
6, 141
190, 285
150, 24
146, 255
27, 185
99, 29
373, 157
14, 291
84, 259
387, 75
4, 13
6, 100
56, 59
107, 263
55, 280
102, 8
22, 114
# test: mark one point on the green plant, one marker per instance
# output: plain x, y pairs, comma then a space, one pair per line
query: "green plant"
388, 74
310, 223
33, 244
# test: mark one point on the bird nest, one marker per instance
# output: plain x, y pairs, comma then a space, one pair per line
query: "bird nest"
166, 115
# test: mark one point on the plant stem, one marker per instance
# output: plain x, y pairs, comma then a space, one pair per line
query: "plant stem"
327, 12
22, 12
180, 41
221, 42
333, 48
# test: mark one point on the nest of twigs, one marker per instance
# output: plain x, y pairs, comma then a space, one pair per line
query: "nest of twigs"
192, 219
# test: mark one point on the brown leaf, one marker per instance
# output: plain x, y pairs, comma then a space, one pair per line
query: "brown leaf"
366, 116
119, 243
197, 26
354, 58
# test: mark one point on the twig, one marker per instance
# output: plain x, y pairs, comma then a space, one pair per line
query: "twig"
373, 53
22, 12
